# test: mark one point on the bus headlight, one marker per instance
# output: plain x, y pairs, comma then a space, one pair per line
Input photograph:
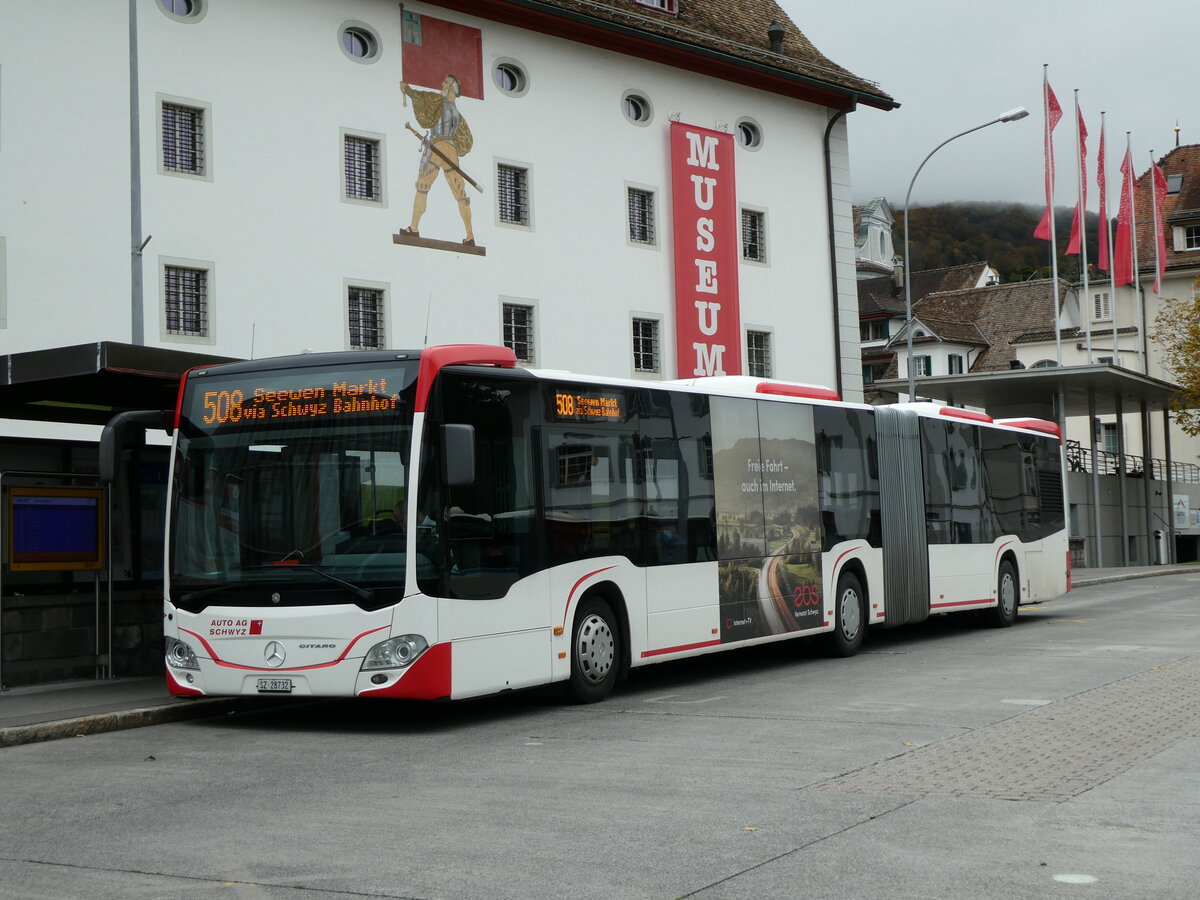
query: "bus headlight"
395, 653
180, 655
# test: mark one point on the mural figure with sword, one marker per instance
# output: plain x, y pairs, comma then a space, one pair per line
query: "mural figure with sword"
449, 139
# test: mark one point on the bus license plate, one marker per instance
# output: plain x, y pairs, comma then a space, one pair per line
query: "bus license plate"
274, 685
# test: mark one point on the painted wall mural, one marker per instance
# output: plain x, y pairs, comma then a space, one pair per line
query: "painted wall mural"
448, 58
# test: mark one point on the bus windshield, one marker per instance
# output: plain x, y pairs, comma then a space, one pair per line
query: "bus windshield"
289, 487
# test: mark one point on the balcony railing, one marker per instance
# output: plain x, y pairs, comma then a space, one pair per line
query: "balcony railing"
1079, 459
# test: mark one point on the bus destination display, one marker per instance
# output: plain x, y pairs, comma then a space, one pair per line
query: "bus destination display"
590, 406
233, 405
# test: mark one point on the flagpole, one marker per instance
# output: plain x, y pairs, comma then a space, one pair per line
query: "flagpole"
1112, 281
1083, 257
1050, 207
1133, 241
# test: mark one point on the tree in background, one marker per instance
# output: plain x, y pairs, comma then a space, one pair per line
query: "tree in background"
1177, 333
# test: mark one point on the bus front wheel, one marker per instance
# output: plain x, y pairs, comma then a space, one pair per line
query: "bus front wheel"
1005, 611
850, 621
595, 651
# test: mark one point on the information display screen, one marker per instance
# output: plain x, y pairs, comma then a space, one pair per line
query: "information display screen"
55, 529
218, 401
587, 406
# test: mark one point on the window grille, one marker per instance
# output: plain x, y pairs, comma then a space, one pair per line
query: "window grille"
512, 194
641, 216
758, 354
754, 236
518, 330
365, 307
645, 345
362, 169
183, 139
185, 293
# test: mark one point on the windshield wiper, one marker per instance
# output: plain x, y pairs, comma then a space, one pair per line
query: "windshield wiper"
362, 593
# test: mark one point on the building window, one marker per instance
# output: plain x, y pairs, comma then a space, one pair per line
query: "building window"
749, 134
922, 365
510, 77
873, 330
754, 236
1045, 364
667, 6
183, 10
645, 345
518, 330
512, 194
1101, 306
1108, 435
874, 372
185, 298
954, 364
1191, 237
637, 108
758, 354
640, 204
359, 42
364, 308
1174, 183
183, 149
363, 175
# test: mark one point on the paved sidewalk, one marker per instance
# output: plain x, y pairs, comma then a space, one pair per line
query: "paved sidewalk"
77, 708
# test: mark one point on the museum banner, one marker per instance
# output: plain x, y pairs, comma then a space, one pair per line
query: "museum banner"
704, 200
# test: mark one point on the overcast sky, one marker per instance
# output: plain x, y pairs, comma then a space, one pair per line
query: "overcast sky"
954, 64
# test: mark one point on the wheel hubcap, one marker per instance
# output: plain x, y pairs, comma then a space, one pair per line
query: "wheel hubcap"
1008, 595
851, 614
595, 649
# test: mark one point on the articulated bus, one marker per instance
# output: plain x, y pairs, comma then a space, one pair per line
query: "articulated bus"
443, 523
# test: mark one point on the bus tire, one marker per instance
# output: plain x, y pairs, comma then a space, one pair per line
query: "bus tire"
850, 619
1005, 611
595, 651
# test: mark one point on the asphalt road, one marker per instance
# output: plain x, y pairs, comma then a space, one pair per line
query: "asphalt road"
1057, 758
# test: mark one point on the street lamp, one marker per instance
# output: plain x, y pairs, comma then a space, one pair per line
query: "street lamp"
1011, 116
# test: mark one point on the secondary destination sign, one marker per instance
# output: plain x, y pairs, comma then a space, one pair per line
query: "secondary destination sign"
228, 404
587, 406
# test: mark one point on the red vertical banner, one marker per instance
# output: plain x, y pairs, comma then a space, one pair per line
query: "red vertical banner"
708, 326
435, 48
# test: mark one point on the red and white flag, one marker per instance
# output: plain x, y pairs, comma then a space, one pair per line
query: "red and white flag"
1159, 187
1077, 223
1053, 112
1102, 262
1122, 262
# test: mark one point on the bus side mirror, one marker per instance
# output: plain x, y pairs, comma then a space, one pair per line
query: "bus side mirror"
458, 455
117, 436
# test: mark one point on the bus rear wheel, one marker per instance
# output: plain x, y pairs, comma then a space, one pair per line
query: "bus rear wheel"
850, 620
595, 651
1005, 611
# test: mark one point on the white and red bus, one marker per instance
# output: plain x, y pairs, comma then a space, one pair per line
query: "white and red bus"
445, 524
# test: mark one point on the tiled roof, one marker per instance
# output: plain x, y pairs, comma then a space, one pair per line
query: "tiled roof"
955, 332
735, 31
1185, 205
1071, 334
876, 295
1002, 312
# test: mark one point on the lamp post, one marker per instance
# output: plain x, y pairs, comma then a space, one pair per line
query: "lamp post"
1011, 116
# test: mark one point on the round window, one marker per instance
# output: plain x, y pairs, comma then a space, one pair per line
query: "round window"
749, 135
182, 9
359, 42
510, 78
637, 108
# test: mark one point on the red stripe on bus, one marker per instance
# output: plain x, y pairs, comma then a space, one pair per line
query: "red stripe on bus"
680, 649
575, 587
961, 603
434, 359
324, 665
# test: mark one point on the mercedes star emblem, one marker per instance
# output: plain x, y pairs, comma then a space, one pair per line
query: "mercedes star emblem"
275, 654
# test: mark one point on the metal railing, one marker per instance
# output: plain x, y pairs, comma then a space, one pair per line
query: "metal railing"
1079, 459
